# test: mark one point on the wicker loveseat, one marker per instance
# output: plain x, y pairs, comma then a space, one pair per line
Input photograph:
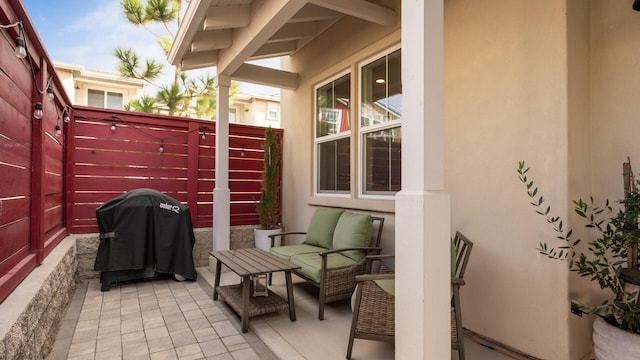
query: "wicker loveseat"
333, 251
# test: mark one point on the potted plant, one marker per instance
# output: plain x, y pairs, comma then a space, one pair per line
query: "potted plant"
610, 259
268, 208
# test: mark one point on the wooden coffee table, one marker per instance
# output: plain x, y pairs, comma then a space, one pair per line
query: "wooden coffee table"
247, 263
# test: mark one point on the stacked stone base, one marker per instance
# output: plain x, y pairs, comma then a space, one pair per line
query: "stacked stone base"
33, 312
241, 237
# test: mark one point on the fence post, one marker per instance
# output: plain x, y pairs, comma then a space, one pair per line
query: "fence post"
193, 152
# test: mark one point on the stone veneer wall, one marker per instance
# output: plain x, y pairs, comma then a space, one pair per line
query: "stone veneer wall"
241, 237
33, 312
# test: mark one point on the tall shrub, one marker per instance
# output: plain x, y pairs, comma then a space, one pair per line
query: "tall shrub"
268, 208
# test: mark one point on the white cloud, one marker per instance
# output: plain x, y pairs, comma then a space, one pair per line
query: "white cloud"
93, 36
99, 32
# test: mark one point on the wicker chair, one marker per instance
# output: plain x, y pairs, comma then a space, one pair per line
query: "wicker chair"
333, 283
460, 258
373, 306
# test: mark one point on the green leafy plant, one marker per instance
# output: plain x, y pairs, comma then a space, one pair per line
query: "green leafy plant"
604, 257
268, 207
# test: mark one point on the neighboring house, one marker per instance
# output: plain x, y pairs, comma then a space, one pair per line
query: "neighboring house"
458, 92
112, 91
97, 88
259, 110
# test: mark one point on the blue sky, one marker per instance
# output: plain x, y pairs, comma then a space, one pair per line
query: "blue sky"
85, 32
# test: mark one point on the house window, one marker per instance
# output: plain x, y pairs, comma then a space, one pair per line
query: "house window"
332, 139
273, 111
105, 99
380, 116
233, 118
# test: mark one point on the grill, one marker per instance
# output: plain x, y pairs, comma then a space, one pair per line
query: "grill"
144, 234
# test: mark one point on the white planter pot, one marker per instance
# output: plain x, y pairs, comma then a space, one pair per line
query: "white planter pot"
612, 343
262, 240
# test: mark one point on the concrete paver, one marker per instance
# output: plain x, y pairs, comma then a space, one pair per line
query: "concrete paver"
153, 319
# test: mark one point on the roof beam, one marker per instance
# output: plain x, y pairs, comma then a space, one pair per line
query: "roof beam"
200, 60
360, 9
266, 76
275, 49
212, 40
314, 13
267, 17
295, 31
223, 17
194, 15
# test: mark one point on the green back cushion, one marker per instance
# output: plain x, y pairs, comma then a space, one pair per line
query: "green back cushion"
321, 226
352, 230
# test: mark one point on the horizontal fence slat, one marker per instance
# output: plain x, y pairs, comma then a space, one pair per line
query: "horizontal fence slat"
14, 209
15, 181
108, 163
13, 237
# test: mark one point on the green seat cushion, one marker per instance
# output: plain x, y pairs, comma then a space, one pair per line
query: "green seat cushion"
387, 285
310, 264
353, 230
321, 226
287, 251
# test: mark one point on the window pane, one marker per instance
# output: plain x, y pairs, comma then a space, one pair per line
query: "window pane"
95, 98
333, 102
334, 167
382, 160
273, 111
381, 90
114, 101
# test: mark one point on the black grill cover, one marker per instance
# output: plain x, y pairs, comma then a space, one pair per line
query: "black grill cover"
145, 229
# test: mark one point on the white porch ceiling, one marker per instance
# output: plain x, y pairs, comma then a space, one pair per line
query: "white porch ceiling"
228, 33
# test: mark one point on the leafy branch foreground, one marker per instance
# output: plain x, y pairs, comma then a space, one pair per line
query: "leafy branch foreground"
605, 256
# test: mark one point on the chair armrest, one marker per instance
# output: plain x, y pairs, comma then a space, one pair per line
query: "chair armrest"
283, 236
333, 251
379, 256
369, 277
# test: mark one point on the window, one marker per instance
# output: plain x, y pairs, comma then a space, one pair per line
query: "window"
233, 118
273, 111
380, 115
332, 140
105, 99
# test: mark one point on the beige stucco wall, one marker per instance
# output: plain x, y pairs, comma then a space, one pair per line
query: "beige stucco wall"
506, 101
550, 82
615, 105
317, 62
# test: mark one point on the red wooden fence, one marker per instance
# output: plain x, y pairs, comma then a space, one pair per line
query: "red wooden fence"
31, 153
51, 184
112, 152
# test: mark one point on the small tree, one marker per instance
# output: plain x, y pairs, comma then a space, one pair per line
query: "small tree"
184, 96
605, 258
268, 208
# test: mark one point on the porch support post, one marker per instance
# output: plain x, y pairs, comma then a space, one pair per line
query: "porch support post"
423, 232
221, 192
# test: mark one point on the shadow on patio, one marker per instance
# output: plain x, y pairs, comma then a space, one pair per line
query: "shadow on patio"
164, 319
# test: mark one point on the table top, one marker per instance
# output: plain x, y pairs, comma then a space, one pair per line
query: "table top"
252, 261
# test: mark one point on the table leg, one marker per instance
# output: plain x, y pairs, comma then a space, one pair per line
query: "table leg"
217, 283
292, 305
245, 303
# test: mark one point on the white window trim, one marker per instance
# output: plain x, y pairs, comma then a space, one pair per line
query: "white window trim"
328, 138
277, 111
105, 93
362, 131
